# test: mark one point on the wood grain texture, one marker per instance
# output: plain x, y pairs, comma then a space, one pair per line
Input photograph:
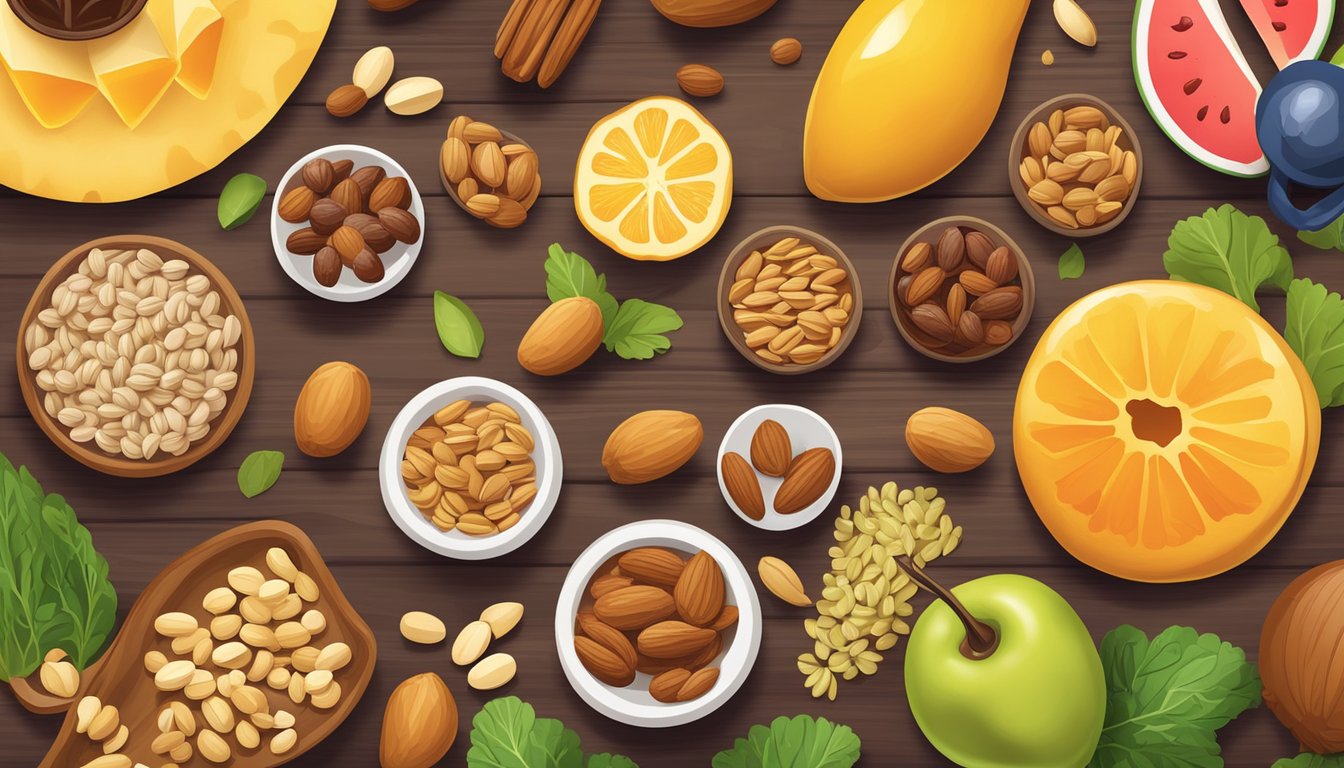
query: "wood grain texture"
142, 525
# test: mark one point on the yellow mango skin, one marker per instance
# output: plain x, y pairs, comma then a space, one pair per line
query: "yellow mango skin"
908, 90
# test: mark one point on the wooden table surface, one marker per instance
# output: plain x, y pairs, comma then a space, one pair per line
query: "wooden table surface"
140, 525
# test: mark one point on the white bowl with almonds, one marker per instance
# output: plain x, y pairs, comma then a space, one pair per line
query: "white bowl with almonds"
635, 704
334, 251
787, 468
470, 469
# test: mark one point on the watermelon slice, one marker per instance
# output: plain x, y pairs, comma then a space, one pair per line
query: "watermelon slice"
1293, 30
1196, 83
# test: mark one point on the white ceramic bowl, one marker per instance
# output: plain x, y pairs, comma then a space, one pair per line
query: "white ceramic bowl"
633, 705
455, 544
806, 430
397, 261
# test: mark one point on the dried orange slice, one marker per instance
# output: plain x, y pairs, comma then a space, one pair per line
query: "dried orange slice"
654, 180
1164, 431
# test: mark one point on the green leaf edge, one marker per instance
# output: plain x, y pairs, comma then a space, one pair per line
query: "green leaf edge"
474, 327
249, 190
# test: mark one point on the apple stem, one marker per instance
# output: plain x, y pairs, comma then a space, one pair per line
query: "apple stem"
981, 639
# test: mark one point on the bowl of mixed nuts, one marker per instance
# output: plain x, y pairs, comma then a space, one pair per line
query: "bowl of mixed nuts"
1075, 165
348, 223
470, 468
490, 173
657, 624
961, 290
135, 355
789, 300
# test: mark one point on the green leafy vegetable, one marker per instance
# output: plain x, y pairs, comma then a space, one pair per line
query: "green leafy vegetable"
1338, 58
634, 329
1071, 263
54, 590
800, 742
507, 733
1330, 237
1310, 760
1230, 251
240, 199
459, 328
259, 472
1167, 698
1315, 331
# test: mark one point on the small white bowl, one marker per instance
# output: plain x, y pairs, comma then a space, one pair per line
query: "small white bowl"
397, 261
455, 544
633, 705
806, 430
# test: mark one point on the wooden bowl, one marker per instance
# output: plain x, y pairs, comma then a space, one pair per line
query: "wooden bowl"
509, 138
39, 16
89, 454
1017, 150
764, 239
121, 679
920, 341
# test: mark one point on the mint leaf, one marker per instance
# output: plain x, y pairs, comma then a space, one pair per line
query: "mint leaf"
1230, 251
1071, 263
259, 471
637, 332
800, 742
569, 274
54, 589
1330, 237
1167, 698
1310, 760
507, 733
552, 745
459, 329
1315, 331
606, 760
239, 200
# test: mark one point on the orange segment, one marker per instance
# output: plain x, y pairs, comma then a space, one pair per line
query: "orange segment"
1164, 431
654, 180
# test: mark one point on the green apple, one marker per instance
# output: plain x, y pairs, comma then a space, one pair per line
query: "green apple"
1029, 694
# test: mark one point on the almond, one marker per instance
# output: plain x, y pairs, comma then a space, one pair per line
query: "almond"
925, 284
634, 607
998, 332
945, 440
771, 450
976, 283
346, 100
743, 487
373, 70
603, 663
807, 480
327, 215
296, 204
699, 591
655, 565
455, 159
613, 640
332, 409
786, 51
918, 257
372, 230
999, 304
727, 618
970, 330
698, 684
664, 687
348, 242
305, 242
510, 213
609, 583
400, 225
419, 724
650, 444
951, 249
933, 320
391, 192
522, 171
700, 80
413, 95
319, 175
349, 196
782, 581
1002, 266
488, 163
562, 337
978, 248
673, 639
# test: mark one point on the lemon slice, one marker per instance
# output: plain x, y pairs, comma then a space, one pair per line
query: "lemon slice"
1164, 431
52, 77
654, 180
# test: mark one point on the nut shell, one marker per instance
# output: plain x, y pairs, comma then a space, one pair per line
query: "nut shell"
332, 409
740, 480
419, 723
650, 445
700, 590
771, 449
945, 440
807, 480
562, 337
700, 80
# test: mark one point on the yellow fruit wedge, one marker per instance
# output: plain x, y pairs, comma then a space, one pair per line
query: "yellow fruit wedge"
133, 68
906, 93
1164, 431
192, 30
52, 77
654, 180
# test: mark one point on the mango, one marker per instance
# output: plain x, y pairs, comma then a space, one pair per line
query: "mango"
908, 90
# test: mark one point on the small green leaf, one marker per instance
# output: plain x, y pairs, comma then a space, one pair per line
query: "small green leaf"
459, 328
1071, 263
1315, 331
259, 472
240, 199
637, 332
568, 274
1230, 251
1338, 58
1332, 237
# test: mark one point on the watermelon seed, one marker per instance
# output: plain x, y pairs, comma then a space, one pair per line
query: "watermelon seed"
1280, 3
1202, 113
1226, 116
1177, 55
1185, 23
1279, 26
1192, 85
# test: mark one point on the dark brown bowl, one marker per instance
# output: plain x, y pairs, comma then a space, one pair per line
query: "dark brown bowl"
451, 188
90, 455
120, 677
764, 239
920, 341
1018, 148
89, 19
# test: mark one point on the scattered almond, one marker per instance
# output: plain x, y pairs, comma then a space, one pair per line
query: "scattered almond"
700, 80
782, 581
948, 441
786, 51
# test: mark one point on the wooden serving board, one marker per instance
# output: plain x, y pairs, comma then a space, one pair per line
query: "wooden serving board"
120, 677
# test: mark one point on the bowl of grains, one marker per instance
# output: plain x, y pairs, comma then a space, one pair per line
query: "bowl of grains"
135, 355
1075, 165
470, 468
789, 300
